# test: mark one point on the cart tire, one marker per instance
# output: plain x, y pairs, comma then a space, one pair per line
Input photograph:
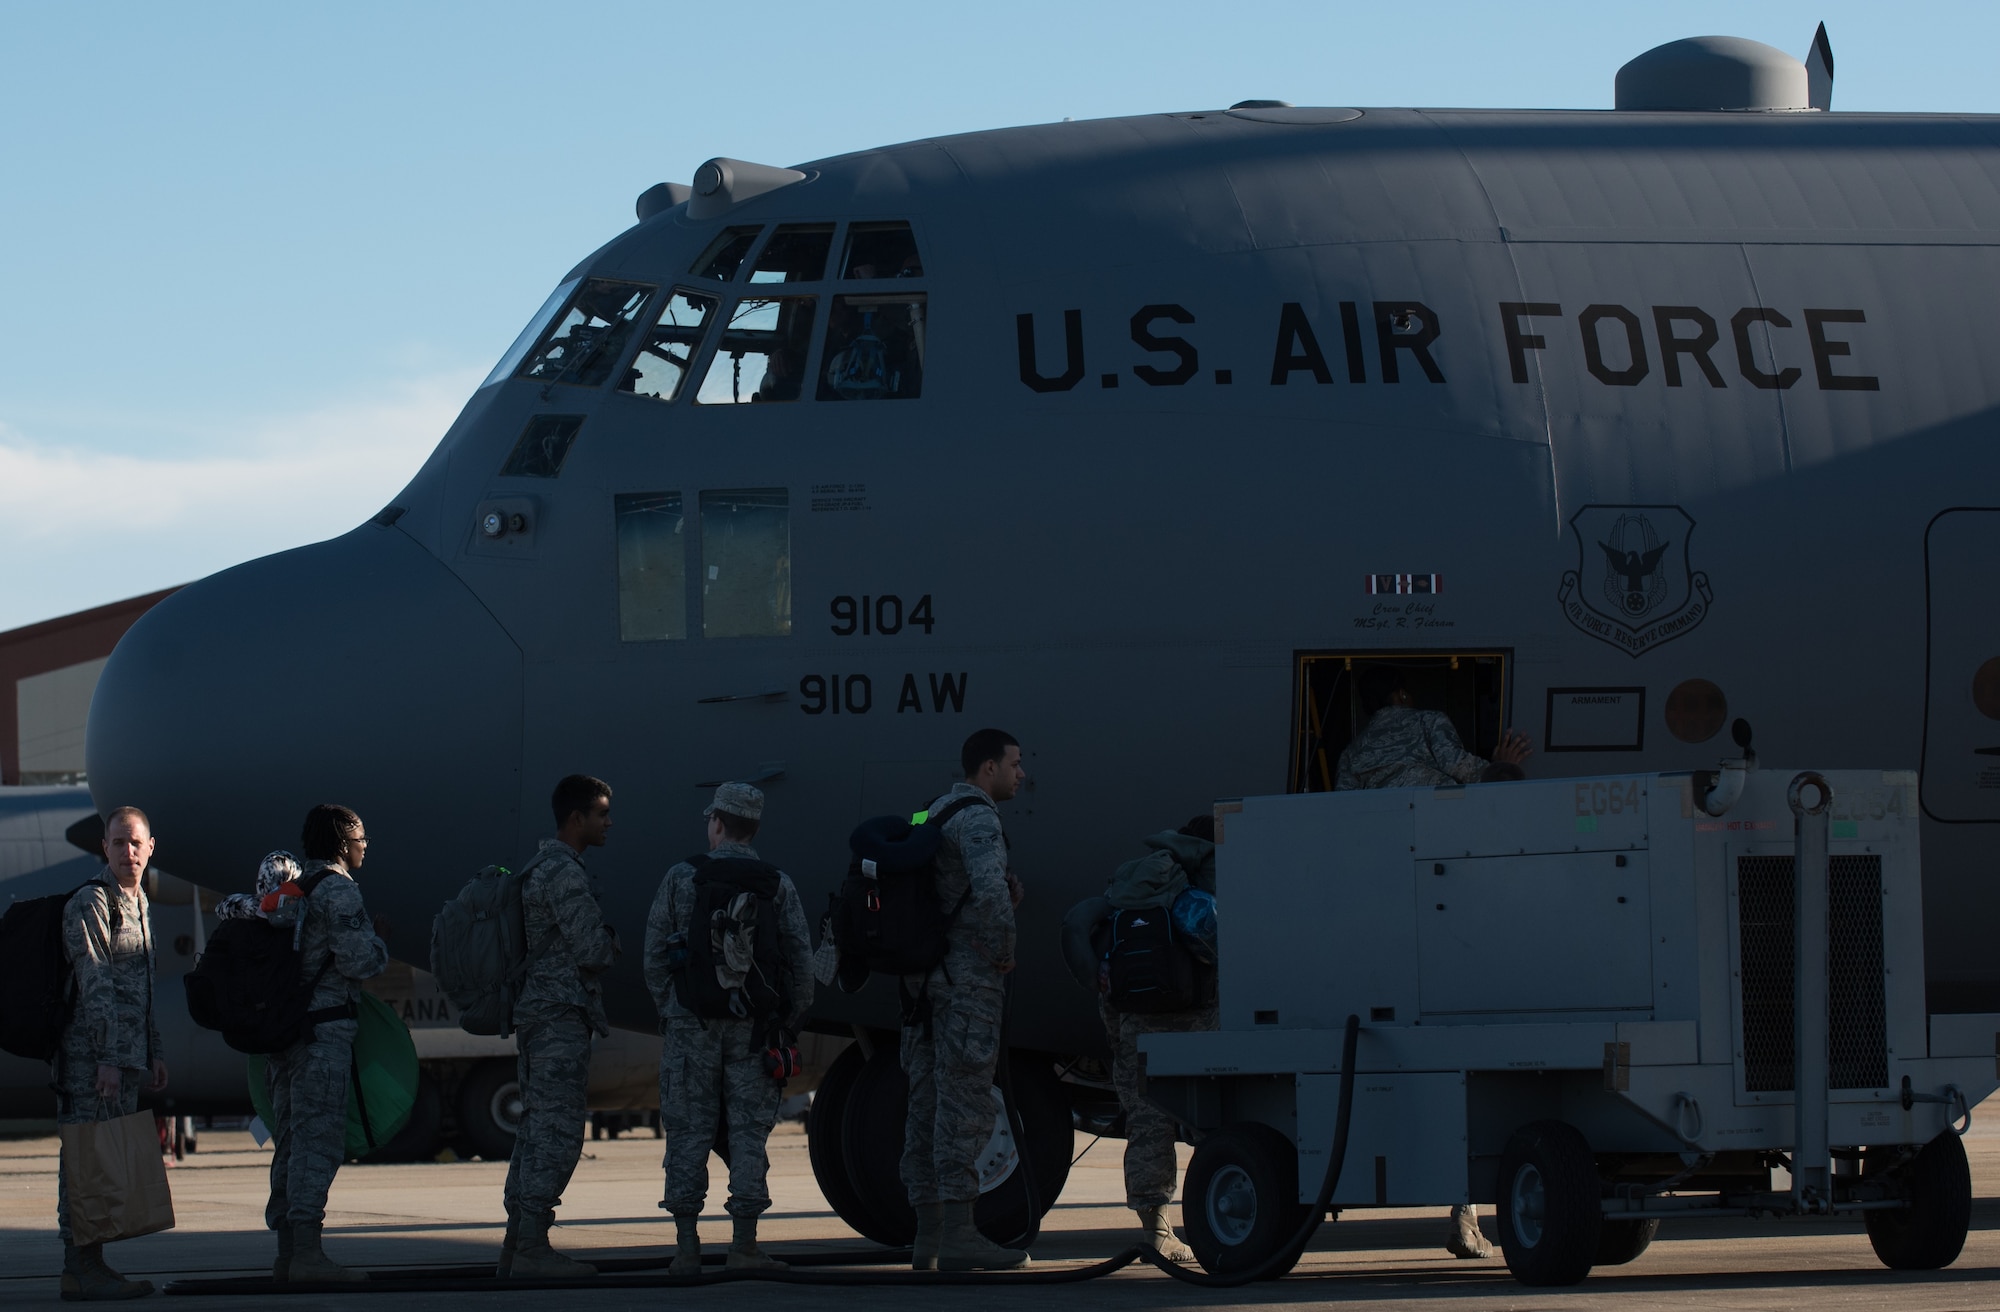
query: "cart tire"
1621, 1241
1550, 1205
1929, 1233
1240, 1203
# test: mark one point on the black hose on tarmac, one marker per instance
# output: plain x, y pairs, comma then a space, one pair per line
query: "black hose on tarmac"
623, 1276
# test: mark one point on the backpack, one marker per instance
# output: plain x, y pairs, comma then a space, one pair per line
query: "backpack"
1148, 969
479, 950
736, 967
35, 975
886, 916
247, 983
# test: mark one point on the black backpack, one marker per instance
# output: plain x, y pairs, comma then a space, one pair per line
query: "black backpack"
35, 975
1149, 970
736, 968
247, 985
886, 916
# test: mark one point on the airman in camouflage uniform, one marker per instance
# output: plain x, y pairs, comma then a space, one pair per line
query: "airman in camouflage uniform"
951, 1041
338, 947
1180, 859
711, 1067
561, 1005
111, 1043
1403, 747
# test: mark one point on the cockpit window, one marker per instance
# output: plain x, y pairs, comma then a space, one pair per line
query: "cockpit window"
669, 346
725, 254
796, 253
762, 354
881, 250
874, 348
584, 345
542, 447
531, 334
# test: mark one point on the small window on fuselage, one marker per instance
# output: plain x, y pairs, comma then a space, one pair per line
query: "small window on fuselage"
881, 250
652, 566
669, 345
874, 348
746, 563
725, 254
762, 353
796, 253
582, 347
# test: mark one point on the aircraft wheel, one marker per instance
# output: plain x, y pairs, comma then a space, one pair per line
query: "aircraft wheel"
1937, 1183
421, 1137
1622, 1240
1240, 1201
826, 1141
1550, 1207
871, 1135
489, 1108
869, 1101
1046, 1119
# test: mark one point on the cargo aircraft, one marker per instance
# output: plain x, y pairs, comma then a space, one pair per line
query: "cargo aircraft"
1616, 426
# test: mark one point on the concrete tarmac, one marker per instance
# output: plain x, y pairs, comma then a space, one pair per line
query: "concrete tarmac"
395, 1218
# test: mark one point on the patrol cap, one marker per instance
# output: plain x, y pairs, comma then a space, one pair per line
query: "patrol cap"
744, 801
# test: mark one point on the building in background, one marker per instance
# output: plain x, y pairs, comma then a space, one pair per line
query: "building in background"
47, 674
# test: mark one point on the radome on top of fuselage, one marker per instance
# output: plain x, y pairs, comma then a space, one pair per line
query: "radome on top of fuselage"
1194, 386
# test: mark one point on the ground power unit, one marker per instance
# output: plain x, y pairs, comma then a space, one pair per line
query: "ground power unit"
1593, 1003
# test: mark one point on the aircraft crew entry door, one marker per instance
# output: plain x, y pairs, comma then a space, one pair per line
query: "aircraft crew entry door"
1473, 688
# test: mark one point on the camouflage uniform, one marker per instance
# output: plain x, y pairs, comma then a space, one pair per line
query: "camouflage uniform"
950, 1052
709, 1067
1151, 1171
113, 1022
560, 1007
1177, 861
1402, 747
308, 1081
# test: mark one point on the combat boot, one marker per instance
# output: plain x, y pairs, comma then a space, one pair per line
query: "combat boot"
505, 1266
284, 1230
924, 1248
744, 1255
86, 1278
535, 1260
962, 1248
1160, 1235
687, 1247
309, 1261
1465, 1239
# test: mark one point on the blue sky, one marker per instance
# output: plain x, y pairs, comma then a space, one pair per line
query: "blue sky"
255, 256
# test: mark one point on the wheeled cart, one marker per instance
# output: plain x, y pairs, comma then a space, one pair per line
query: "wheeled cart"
1593, 1003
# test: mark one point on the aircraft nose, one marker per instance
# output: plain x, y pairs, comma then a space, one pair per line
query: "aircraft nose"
359, 671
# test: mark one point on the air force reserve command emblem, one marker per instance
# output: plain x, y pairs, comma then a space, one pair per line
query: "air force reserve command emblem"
1634, 586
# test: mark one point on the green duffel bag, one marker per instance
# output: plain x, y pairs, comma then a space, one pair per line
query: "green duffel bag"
382, 1083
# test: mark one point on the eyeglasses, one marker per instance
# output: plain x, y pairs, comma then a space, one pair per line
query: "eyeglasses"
361, 839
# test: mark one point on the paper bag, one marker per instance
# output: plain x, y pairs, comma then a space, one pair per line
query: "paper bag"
114, 1179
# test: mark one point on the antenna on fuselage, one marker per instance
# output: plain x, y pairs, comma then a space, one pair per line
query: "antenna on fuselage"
1819, 71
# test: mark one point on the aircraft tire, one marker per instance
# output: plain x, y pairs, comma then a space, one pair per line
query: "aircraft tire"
489, 1090
421, 1136
826, 1141
1930, 1232
872, 1142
